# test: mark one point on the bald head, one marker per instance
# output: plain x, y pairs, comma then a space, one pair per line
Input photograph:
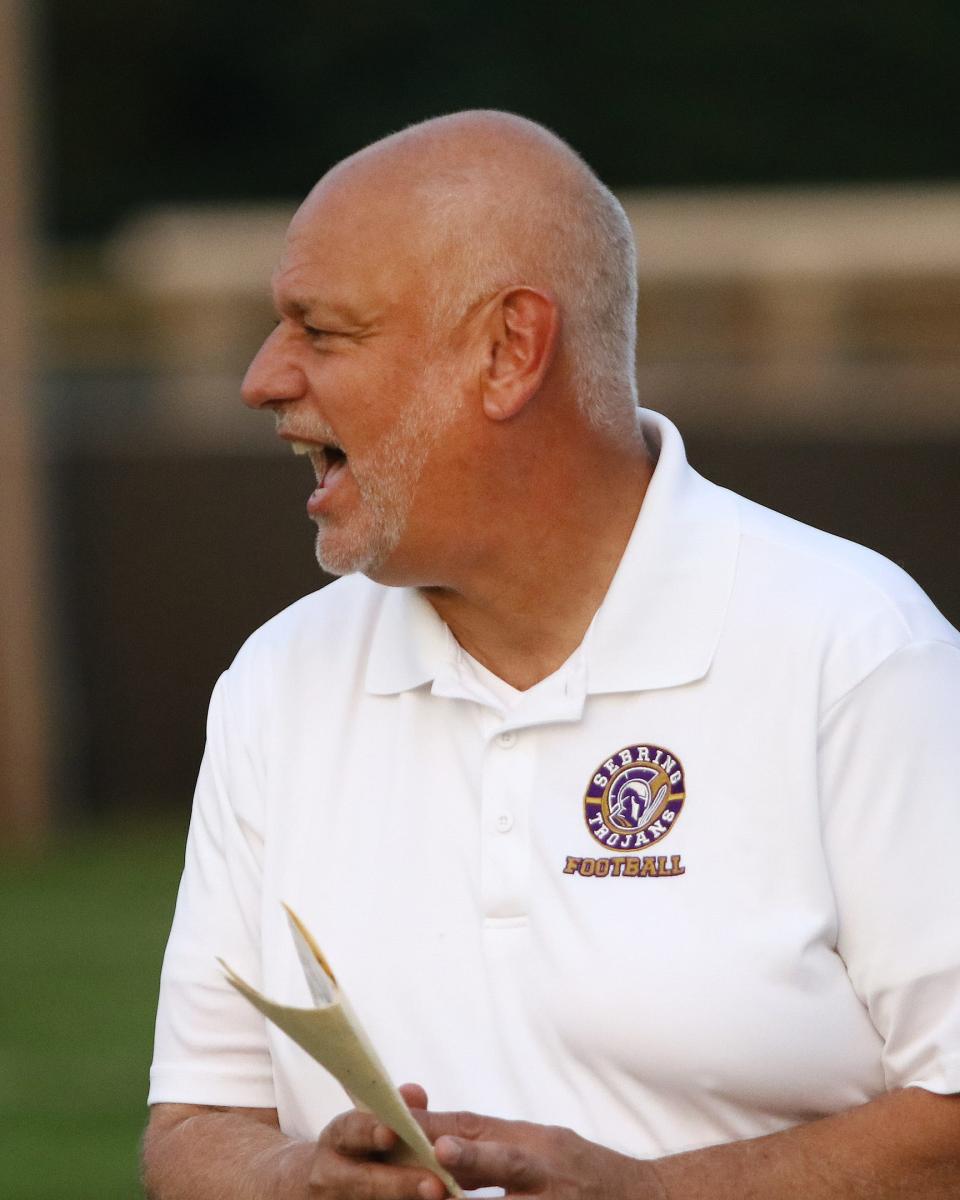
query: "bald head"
484, 200
471, 151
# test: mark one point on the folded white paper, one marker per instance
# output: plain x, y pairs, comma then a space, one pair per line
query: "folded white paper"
331, 1034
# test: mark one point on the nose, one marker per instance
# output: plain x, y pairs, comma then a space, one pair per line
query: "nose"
274, 376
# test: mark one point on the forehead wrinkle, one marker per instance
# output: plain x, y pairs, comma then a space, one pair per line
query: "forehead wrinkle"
304, 304
350, 240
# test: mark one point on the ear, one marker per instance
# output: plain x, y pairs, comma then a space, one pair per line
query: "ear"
522, 329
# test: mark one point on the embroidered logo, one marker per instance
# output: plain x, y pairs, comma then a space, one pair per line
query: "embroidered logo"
634, 798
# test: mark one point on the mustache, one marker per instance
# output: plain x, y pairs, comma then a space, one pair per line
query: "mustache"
308, 428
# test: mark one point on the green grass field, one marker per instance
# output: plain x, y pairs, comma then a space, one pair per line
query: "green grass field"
81, 940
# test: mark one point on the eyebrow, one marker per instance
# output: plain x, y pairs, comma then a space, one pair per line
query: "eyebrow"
304, 306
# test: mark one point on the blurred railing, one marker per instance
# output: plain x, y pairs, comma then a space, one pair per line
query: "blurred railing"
806, 342
831, 311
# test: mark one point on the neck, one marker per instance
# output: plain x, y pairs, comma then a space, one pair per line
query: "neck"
544, 566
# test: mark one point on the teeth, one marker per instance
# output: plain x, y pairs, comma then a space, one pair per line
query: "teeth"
301, 447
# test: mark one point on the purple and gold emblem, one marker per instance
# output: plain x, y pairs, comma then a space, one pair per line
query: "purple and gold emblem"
634, 798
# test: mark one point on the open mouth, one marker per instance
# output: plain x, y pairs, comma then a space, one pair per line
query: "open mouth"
327, 458
329, 462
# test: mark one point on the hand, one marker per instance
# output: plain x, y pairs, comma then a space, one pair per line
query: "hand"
347, 1161
535, 1160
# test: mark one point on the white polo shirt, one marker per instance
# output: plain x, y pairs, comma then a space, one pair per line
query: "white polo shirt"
699, 885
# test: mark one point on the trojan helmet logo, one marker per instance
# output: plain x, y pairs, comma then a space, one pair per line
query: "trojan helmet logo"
634, 798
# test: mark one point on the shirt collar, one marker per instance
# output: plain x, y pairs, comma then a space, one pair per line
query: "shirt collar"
661, 619
663, 613
411, 644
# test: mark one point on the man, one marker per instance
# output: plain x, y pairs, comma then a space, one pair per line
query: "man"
641, 827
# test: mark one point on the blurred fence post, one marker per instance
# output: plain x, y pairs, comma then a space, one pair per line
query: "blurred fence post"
24, 722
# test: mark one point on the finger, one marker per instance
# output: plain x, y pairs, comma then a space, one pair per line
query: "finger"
463, 1125
334, 1176
414, 1095
398, 1183
491, 1164
357, 1135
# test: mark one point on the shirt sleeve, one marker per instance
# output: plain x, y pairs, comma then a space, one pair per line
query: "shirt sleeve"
890, 790
211, 1045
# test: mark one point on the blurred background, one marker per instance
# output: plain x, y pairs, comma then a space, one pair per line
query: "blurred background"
792, 175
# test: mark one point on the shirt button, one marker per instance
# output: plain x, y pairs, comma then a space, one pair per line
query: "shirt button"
504, 823
507, 740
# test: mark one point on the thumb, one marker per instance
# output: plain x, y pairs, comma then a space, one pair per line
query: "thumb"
414, 1095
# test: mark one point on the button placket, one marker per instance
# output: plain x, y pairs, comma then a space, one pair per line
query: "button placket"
505, 844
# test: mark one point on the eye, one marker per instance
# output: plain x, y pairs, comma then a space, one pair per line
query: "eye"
315, 334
